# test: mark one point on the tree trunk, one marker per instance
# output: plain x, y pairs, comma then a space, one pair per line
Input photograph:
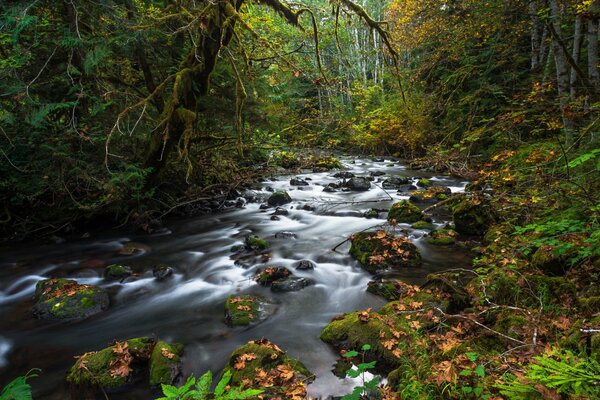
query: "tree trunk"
536, 35
592, 39
577, 36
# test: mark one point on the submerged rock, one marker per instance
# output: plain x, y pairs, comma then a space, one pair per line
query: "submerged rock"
162, 272
379, 250
286, 235
279, 199
242, 310
395, 182
280, 211
358, 184
298, 182
260, 364
305, 265
117, 271
405, 212
63, 299
291, 284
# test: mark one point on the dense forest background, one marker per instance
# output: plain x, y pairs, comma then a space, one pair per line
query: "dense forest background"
127, 108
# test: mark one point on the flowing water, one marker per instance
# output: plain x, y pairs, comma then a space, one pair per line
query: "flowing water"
189, 307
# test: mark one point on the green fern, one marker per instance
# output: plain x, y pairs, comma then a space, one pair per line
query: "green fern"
199, 389
19, 389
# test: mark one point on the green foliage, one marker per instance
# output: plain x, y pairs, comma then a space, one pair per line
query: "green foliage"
199, 389
19, 389
560, 371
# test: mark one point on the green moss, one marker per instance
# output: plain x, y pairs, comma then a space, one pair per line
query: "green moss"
472, 216
256, 243
64, 299
117, 271
371, 214
422, 225
369, 248
242, 310
590, 305
164, 363
549, 262
266, 356
405, 212
94, 369
442, 237
423, 182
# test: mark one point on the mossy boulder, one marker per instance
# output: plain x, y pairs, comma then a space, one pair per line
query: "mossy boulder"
430, 196
242, 310
390, 331
255, 243
424, 182
405, 212
395, 182
63, 299
279, 199
372, 213
547, 260
358, 184
422, 225
379, 250
442, 237
165, 363
113, 367
472, 216
260, 364
117, 272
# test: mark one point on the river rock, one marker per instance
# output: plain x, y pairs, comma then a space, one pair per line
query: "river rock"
472, 216
165, 363
279, 199
113, 367
358, 184
379, 250
117, 272
63, 299
255, 243
389, 288
377, 173
442, 237
344, 175
298, 182
286, 375
291, 284
275, 218
286, 235
267, 276
305, 265
279, 211
430, 196
162, 272
243, 310
395, 182
404, 212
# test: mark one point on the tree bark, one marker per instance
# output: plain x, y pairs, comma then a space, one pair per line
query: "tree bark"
577, 39
592, 42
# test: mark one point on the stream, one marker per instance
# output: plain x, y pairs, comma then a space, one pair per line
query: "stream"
189, 307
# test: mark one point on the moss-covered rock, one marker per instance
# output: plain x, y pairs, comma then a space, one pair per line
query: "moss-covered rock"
162, 272
424, 182
279, 199
389, 331
260, 364
372, 213
165, 363
422, 225
379, 250
430, 196
117, 271
454, 285
267, 276
241, 310
442, 237
254, 242
472, 216
549, 262
63, 299
395, 182
391, 289
112, 367
405, 212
